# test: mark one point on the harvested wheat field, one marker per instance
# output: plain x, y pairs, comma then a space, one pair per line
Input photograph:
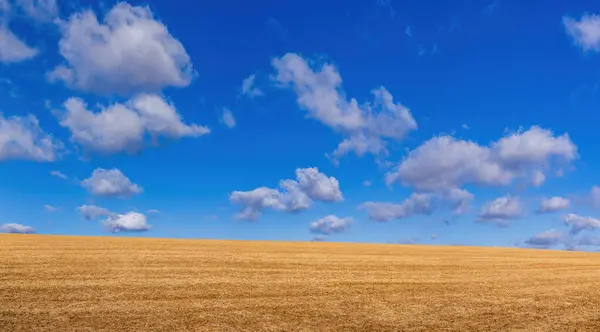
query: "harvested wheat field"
56, 283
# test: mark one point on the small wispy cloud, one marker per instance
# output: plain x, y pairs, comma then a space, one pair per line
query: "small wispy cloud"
58, 175
249, 87
490, 8
227, 118
409, 240
275, 29
408, 31
453, 25
387, 5
9, 87
50, 208
443, 29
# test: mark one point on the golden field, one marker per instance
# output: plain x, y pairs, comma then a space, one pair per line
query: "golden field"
60, 283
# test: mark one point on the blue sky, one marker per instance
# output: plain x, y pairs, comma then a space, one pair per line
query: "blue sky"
416, 122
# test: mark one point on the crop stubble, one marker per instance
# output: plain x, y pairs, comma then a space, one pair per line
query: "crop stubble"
61, 283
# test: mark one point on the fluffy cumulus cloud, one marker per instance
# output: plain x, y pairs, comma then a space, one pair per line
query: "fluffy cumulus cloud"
22, 138
366, 128
227, 118
546, 239
579, 223
249, 87
116, 222
17, 229
125, 127
112, 183
445, 162
330, 224
292, 196
91, 212
459, 200
584, 31
128, 222
553, 204
128, 52
415, 204
419, 204
501, 209
255, 201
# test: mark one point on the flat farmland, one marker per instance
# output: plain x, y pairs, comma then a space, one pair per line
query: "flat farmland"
60, 283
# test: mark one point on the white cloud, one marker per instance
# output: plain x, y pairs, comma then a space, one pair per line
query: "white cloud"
128, 222
129, 52
367, 183
227, 118
594, 197
110, 183
58, 175
249, 89
50, 208
459, 200
579, 223
419, 204
533, 147
123, 127
318, 186
415, 204
255, 201
585, 32
153, 211
553, 204
294, 195
40, 10
115, 222
501, 209
330, 224
17, 229
365, 128
445, 162
21, 138
546, 239
12, 49
538, 178
91, 212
